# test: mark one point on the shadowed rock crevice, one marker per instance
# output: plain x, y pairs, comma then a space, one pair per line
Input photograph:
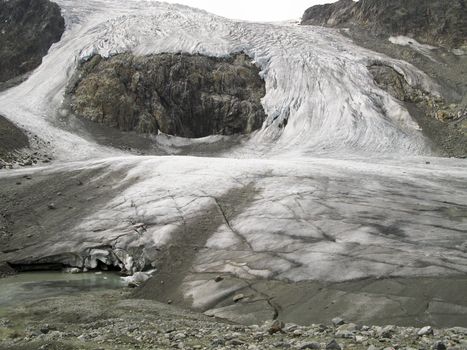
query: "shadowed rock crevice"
176, 94
436, 22
27, 30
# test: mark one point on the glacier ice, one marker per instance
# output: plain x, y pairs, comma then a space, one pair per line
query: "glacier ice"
316, 79
343, 188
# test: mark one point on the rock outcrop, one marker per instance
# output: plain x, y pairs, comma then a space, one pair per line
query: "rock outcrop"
19, 147
27, 30
444, 124
435, 22
177, 94
11, 139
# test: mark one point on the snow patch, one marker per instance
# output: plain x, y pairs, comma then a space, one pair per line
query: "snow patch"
424, 49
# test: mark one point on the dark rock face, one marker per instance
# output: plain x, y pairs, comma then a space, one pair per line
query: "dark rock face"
27, 30
436, 22
394, 83
177, 94
329, 14
11, 139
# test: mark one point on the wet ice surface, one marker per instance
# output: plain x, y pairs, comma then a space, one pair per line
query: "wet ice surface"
37, 285
344, 191
310, 219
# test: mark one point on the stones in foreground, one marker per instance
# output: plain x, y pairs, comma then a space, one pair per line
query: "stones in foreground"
312, 345
425, 331
20, 148
144, 328
337, 321
364, 337
333, 345
276, 327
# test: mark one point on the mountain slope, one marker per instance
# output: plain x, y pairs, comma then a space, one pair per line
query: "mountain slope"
402, 30
435, 22
27, 30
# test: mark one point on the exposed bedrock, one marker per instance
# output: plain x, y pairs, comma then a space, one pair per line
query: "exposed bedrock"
436, 22
176, 94
445, 125
27, 30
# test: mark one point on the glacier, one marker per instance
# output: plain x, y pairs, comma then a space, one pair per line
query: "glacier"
349, 189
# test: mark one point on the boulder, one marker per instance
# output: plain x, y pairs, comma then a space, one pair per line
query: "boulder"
425, 331
333, 345
337, 321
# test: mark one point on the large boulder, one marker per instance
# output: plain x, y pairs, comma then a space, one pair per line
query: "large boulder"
176, 94
27, 30
435, 22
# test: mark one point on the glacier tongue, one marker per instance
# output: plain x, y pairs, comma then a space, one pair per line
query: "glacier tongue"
334, 187
317, 81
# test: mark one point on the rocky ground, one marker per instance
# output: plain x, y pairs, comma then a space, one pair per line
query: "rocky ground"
12, 138
19, 148
109, 320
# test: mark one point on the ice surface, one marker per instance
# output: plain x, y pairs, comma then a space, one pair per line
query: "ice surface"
342, 192
316, 79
